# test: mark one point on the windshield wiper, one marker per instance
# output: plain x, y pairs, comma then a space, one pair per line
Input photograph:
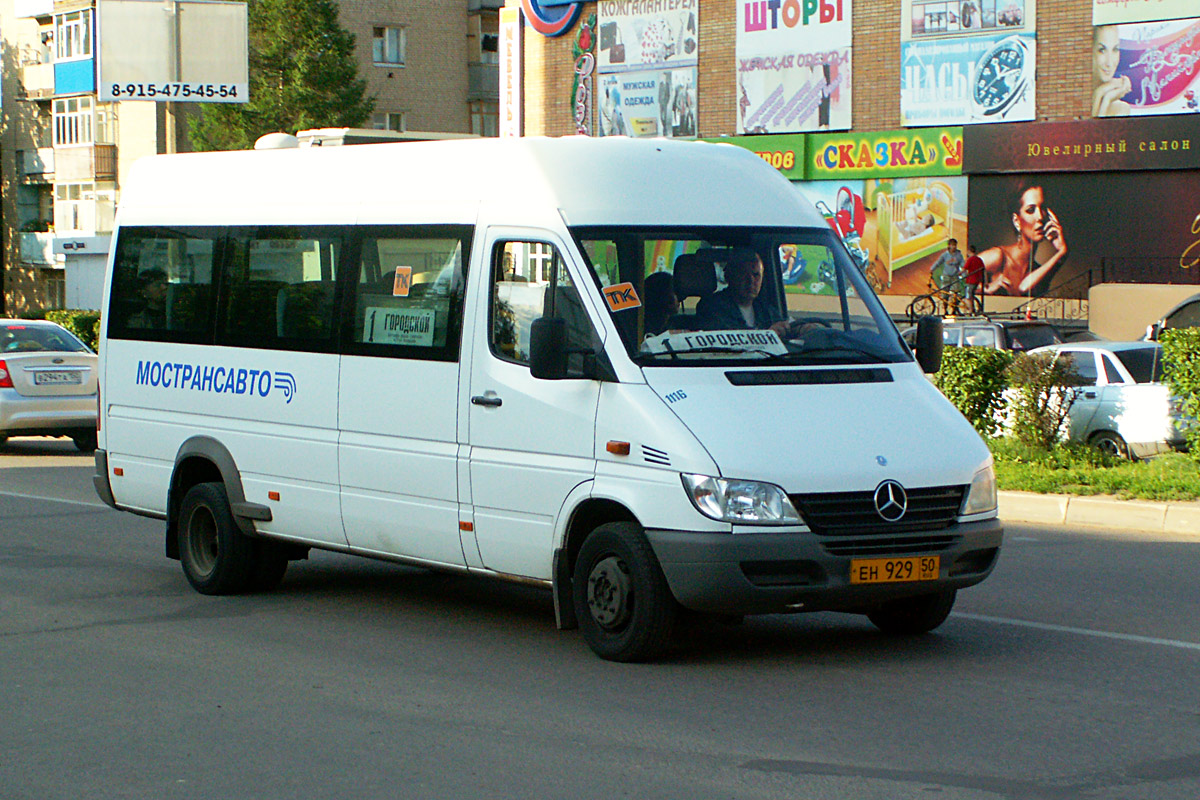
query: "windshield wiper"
866, 355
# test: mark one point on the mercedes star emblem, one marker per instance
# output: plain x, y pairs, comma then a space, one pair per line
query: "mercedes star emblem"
891, 501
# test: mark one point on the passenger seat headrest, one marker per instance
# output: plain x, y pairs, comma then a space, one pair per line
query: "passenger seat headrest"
694, 276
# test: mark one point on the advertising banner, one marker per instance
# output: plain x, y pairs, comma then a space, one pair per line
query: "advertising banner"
784, 152
1146, 68
510, 71
793, 65
968, 80
1083, 146
896, 229
651, 103
931, 151
640, 34
935, 19
1109, 12
1040, 232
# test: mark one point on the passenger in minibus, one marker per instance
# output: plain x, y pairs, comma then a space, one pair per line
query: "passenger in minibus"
659, 302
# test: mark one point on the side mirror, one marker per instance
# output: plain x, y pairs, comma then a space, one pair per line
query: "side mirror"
1152, 331
929, 344
548, 348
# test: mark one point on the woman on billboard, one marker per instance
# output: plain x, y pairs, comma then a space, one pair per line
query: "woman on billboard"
1109, 87
1012, 269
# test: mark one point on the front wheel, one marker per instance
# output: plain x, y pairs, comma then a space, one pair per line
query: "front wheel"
910, 616
625, 609
217, 558
924, 306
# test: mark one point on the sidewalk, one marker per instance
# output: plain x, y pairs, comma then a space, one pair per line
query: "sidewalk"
1106, 512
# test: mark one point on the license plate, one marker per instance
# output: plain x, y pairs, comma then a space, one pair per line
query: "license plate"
50, 378
894, 570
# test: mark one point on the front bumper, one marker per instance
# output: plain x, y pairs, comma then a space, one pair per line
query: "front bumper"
786, 572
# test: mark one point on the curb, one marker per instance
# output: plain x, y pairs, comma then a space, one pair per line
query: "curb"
1104, 512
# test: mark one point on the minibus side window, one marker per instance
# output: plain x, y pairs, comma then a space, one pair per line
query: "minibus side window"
278, 288
162, 284
408, 297
530, 280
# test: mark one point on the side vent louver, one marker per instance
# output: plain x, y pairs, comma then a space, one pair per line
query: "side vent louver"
655, 456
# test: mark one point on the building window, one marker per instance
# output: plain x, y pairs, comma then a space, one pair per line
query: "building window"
389, 45
485, 118
490, 49
73, 121
389, 121
73, 35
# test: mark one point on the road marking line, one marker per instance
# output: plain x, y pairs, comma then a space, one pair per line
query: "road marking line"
1043, 626
52, 499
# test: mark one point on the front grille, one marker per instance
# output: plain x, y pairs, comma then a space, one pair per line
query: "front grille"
853, 513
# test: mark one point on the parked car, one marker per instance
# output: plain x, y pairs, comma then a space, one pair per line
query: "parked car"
47, 383
1001, 334
1185, 314
1122, 407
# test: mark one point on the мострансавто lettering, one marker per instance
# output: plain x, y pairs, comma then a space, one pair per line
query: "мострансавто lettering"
220, 380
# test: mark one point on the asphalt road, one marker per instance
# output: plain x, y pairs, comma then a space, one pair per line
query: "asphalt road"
1073, 672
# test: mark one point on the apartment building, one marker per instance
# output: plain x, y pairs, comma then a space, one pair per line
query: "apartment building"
430, 64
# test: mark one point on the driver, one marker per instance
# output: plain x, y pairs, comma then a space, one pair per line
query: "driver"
740, 306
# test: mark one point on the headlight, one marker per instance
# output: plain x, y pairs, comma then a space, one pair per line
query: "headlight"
981, 497
746, 502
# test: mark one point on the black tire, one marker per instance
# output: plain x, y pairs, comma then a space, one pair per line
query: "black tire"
3, 439
1112, 444
625, 609
85, 442
217, 558
923, 307
911, 616
271, 563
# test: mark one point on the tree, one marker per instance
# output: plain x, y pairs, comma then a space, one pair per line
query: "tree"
302, 75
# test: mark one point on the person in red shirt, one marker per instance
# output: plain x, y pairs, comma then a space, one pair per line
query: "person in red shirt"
974, 277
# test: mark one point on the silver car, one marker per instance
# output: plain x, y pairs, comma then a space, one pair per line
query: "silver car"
1122, 407
48, 383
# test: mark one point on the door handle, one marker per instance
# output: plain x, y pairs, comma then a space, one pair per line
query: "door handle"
1090, 395
481, 400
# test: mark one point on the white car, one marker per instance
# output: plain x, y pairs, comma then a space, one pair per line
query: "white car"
47, 383
1122, 407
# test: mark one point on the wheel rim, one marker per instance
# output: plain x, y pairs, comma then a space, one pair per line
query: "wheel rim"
610, 593
202, 545
1107, 444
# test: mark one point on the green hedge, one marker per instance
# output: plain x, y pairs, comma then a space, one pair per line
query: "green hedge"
83, 323
973, 378
1181, 372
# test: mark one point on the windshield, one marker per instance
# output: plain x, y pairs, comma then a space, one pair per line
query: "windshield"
38, 338
687, 296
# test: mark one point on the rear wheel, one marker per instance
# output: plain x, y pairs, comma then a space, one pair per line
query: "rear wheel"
3, 439
217, 558
1112, 444
913, 615
625, 609
85, 442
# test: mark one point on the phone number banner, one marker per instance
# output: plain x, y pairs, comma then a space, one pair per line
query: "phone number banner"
968, 80
793, 65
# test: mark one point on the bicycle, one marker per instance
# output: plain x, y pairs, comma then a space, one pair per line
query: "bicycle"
951, 300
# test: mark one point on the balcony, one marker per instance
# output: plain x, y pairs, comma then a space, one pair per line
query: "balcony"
85, 162
37, 166
483, 82
87, 217
34, 8
37, 249
37, 79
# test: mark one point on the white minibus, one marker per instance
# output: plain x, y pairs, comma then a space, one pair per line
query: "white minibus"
569, 362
